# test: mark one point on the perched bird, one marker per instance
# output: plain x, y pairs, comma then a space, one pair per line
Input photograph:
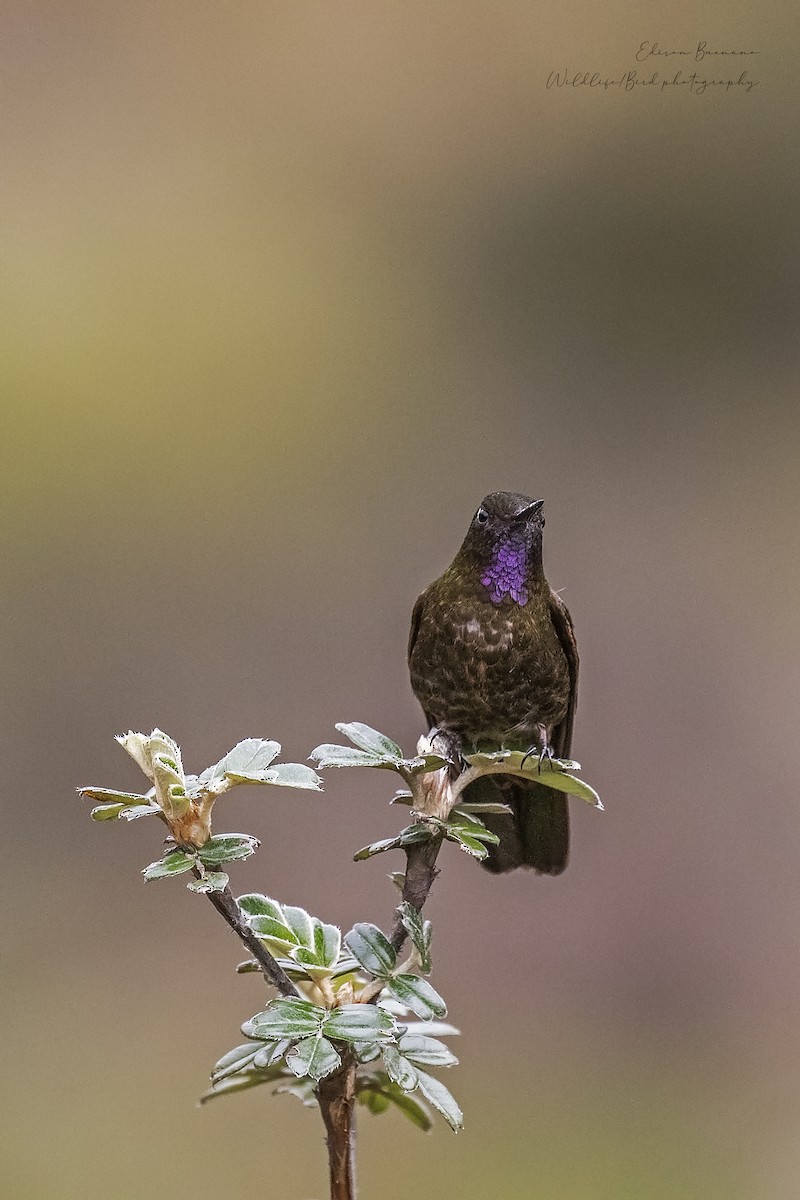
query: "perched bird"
493, 661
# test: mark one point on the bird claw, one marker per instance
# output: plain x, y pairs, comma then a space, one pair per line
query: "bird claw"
535, 752
451, 748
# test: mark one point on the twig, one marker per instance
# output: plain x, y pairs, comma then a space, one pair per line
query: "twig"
421, 871
336, 1095
226, 906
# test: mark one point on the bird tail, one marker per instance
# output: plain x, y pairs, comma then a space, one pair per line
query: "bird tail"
534, 834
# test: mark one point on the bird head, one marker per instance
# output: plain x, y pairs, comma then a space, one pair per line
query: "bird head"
504, 544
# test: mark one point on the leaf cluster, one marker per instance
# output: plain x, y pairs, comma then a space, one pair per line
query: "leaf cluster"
304, 1037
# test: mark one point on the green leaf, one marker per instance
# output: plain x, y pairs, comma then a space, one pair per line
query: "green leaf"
241, 1082
314, 1056
300, 924
369, 739
108, 812
253, 904
212, 881
296, 775
412, 1108
271, 1052
552, 772
563, 782
472, 827
227, 847
359, 1023
399, 1070
329, 755
479, 806
279, 936
367, 1051
377, 848
413, 834
105, 796
327, 943
403, 797
438, 1095
372, 949
379, 1092
303, 1089
285, 1018
426, 1051
469, 845
346, 965
134, 811
410, 836
434, 1029
419, 931
424, 763
174, 863
374, 1101
418, 995
248, 757
234, 1060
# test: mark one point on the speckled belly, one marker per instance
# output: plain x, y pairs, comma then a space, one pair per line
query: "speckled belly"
498, 673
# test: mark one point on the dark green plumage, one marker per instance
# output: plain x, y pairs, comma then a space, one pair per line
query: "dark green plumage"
493, 660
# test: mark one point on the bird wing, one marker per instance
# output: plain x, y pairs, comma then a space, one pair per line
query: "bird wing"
416, 621
561, 738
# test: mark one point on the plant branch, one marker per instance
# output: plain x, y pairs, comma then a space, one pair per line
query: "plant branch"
336, 1095
421, 871
225, 904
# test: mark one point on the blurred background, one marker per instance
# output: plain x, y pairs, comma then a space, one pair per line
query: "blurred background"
287, 288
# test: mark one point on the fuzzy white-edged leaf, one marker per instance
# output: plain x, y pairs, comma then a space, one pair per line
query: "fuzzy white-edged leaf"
248, 757
419, 930
330, 755
300, 924
372, 949
285, 1018
241, 1082
399, 1069
434, 1029
369, 739
418, 995
327, 943
212, 881
253, 904
377, 848
552, 772
235, 1060
423, 764
227, 847
314, 1056
296, 775
174, 863
439, 1096
468, 844
359, 1023
105, 796
426, 1051
271, 1052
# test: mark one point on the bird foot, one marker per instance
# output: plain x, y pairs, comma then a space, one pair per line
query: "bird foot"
449, 746
539, 753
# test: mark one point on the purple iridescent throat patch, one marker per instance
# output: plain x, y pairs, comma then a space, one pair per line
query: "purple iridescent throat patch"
507, 571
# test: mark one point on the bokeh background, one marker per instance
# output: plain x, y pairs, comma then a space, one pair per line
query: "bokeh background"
287, 288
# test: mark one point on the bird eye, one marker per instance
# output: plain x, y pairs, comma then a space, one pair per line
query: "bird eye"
481, 516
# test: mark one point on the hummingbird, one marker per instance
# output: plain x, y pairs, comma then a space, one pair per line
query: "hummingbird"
494, 662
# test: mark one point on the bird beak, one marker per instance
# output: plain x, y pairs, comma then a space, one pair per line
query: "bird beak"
530, 510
